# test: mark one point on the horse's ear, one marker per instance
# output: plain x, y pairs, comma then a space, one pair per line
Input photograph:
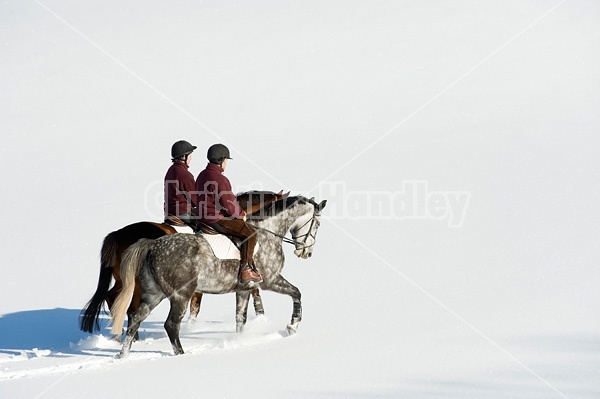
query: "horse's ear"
321, 205
281, 195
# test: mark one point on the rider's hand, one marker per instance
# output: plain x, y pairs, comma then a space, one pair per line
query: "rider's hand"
244, 215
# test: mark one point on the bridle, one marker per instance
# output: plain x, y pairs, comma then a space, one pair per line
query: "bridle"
294, 240
309, 233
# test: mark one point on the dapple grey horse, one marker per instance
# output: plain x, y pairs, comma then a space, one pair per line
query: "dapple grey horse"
175, 266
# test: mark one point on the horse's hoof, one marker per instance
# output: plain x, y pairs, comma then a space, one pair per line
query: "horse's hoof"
121, 355
291, 330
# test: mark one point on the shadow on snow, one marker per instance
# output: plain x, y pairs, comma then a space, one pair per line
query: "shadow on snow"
58, 330
42, 329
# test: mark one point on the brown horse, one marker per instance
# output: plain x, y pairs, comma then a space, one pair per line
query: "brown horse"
117, 242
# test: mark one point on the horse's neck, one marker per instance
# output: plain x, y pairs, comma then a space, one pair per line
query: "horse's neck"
282, 222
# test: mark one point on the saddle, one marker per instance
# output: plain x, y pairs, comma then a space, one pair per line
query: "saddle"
197, 226
173, 220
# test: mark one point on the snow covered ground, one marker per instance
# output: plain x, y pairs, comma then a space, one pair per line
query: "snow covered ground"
457, 144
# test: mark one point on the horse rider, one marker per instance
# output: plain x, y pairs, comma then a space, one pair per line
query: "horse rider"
180, 186
218, 208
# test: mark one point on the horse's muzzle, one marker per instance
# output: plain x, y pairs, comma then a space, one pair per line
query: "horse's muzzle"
303, 253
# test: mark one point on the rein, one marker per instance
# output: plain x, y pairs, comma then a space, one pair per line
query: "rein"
287, 240
295, 241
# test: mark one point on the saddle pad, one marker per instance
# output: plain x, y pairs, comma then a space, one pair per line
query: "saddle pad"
183, 229
221, 245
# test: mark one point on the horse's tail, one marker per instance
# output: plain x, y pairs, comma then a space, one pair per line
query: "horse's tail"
131, 265
89, 317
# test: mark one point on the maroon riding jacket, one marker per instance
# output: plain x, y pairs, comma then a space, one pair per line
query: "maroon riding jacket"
215, 199
180, 188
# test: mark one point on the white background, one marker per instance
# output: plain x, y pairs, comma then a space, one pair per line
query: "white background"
499, 99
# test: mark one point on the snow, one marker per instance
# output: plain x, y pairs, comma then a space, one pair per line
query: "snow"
402, 115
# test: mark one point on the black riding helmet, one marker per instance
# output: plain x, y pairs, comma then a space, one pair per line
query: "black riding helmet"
217, 153
181, 148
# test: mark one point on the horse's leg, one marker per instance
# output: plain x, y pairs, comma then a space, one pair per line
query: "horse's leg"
258, 305
195, 305
282, 286
241, 314
173, 323
140, 314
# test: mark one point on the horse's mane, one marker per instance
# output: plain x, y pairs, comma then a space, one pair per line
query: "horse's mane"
276, 207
